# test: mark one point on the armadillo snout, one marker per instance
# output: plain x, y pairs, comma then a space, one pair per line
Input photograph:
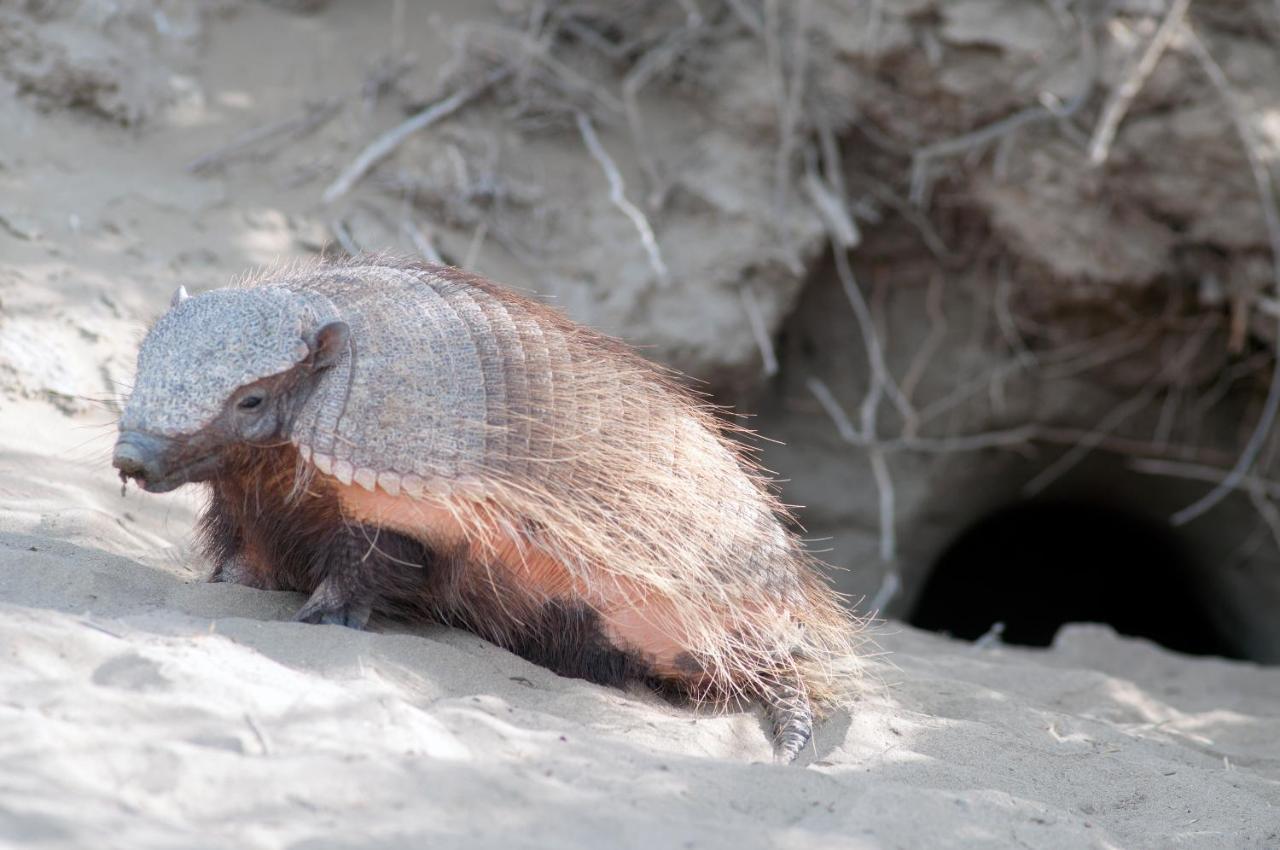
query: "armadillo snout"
159, 464
146, 458
140, 456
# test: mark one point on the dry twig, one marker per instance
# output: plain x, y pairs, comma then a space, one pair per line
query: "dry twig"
264, 748
1122, 98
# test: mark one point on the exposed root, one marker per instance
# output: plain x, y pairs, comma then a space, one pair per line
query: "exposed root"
1120, 99
384, 145
618, 195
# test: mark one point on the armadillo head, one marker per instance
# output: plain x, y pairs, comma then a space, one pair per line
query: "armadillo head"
226, 368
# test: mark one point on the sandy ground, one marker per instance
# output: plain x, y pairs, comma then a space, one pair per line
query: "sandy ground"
143, 708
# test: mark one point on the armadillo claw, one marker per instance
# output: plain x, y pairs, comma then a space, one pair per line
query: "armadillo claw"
235, 571
327, 608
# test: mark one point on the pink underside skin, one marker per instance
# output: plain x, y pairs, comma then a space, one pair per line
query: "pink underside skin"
641, 623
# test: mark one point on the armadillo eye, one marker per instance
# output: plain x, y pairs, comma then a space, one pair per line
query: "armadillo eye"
249, 402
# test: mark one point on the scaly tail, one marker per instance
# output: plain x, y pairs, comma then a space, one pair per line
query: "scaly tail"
791, 714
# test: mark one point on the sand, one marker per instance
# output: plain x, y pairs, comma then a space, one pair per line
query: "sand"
145, 708
141, 707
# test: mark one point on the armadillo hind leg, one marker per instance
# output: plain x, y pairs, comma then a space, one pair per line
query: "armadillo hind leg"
791, 716
567, 638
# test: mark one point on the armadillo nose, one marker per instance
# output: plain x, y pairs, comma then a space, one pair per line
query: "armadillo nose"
138, 456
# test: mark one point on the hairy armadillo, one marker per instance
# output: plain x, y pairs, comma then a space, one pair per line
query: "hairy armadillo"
415, 440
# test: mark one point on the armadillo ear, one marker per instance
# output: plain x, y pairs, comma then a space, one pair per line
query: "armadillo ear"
179, 296
328, 344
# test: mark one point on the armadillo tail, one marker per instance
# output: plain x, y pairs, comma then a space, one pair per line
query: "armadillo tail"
791, 714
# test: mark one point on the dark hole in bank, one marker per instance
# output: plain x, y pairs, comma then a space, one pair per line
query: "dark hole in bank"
1036, 566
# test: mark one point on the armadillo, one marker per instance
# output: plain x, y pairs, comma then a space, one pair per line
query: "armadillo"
417, 441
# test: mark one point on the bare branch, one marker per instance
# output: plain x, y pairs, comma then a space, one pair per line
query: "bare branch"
1167, 418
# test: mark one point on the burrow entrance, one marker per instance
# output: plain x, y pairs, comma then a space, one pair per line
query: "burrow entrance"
1034, 566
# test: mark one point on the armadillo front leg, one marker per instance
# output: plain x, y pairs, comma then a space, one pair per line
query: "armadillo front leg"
330, 606
340, 599
237, 570
364, 568
224, 540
